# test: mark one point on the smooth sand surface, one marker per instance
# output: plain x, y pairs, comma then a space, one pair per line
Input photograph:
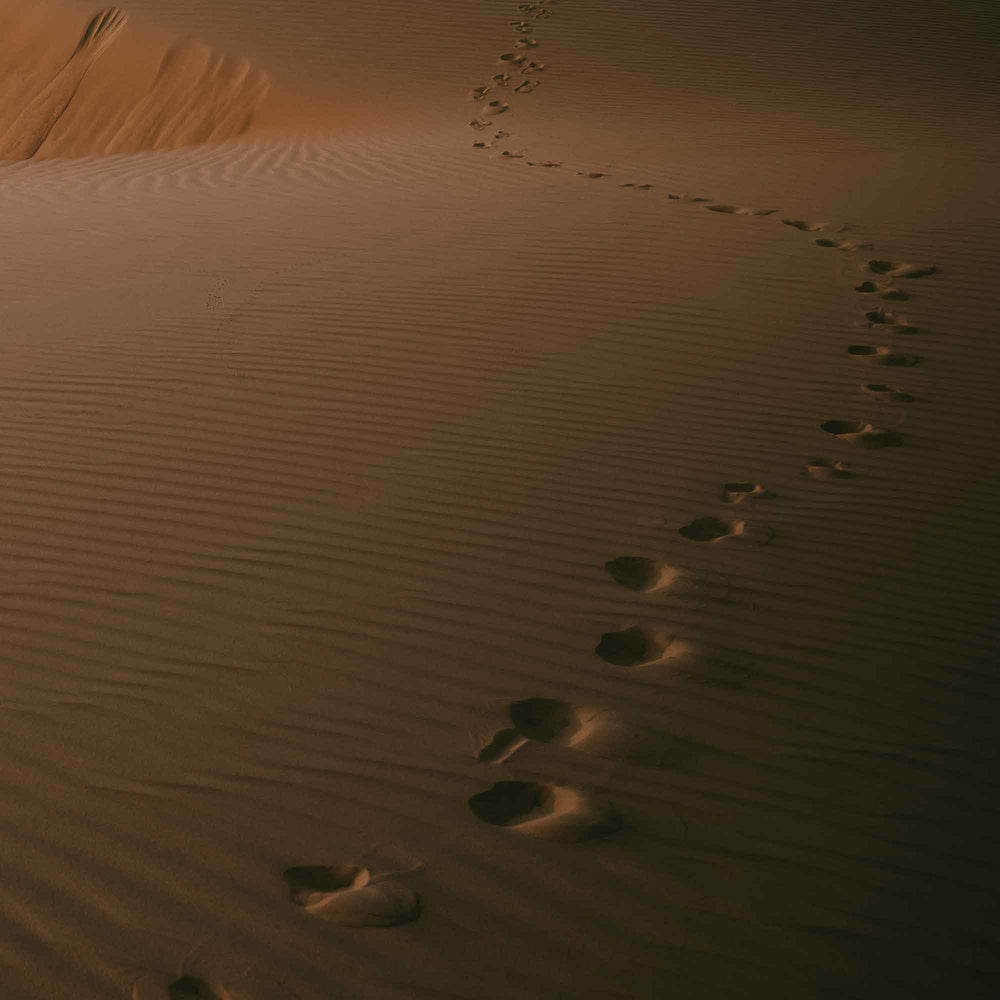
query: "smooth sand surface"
430, 572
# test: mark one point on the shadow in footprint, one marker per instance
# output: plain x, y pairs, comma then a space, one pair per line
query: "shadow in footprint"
351, 896
639, 573
738, 492
826, 468
901, 270
859, 433
552, 812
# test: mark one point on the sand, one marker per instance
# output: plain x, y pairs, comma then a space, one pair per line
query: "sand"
561, 567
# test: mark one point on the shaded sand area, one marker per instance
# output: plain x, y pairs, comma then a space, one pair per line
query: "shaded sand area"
430, 572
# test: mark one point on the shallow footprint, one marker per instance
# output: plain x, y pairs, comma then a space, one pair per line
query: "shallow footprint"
639, 573
351, 896
882, 354
806, 227
843, 244
887, 393
826, 468
737, 210
901, 270
552, 812
711, 529
862, 434
738, 492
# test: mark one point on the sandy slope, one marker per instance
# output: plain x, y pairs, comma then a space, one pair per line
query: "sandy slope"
316, 449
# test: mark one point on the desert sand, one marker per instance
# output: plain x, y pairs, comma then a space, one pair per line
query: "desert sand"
499, 500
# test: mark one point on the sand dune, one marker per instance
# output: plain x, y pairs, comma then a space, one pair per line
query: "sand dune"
472, 549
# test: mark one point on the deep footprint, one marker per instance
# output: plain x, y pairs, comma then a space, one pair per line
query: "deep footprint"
843, 244
901, 270
862, 434
639, 573
632, 647
711, 529
351, 896
552, 812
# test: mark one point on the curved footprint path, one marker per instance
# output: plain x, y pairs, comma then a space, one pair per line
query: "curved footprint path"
562, 813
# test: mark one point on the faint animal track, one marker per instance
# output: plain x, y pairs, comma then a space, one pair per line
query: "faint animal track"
887, 393
549, 811
901, 270
711, 529
826, 468
843, 244
638, 573
351, 896
738, 492
882, 355
862, 434
638, 647
736, 210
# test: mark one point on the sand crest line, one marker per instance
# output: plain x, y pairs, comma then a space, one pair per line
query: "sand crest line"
524, 805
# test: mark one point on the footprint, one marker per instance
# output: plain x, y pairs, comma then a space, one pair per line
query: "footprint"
500, 79
901, 270
738, 492
495, 108
351, 896
806, 227
637, 647
637, 187
887, 393
638, 573
527, 86
882, 355
736, 210
711, 529
512, 156
553, 812
826, 468
544, 163
190, 988
882, 317
592, 730
862, 434
525, 43
844, 244
532, 67
512, 58
593, 174
478, 125
478, 93
685, 197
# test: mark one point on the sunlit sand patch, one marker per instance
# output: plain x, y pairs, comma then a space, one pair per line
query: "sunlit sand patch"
548, 811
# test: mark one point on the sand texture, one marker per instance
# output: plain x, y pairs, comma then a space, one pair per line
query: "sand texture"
499, 501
